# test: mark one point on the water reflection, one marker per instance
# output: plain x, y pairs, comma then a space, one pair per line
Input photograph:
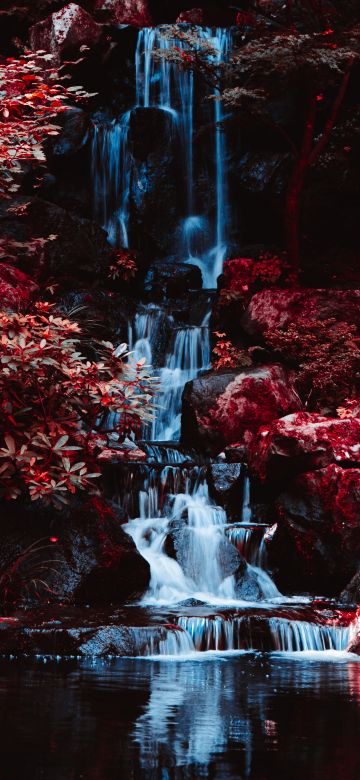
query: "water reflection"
257, 717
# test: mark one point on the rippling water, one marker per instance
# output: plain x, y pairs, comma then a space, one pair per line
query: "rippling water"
247, 716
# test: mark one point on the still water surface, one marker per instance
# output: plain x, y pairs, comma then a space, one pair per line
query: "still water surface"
241, 716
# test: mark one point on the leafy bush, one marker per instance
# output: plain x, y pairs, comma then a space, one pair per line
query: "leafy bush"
32, 95
226, 355
56, 404
327, 356
243, 276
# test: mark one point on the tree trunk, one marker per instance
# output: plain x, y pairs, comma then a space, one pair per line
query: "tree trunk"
296, 183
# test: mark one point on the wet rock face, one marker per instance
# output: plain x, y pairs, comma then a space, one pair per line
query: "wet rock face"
222, 408
81, 556
270, 309
316, 546
75, 125
303, 442
225, 482
134, 12
247, 587
171, 281
154, 189
65, 31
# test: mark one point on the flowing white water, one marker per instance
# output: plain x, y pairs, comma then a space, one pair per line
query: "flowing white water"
297, 635
276, 634
161, 84
111, 173
190, 354
204, 567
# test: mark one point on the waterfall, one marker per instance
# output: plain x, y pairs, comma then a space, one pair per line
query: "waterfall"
162, 84
272, 634
190, 524
111, 172
189, 356
289, 636
198, 525
249, 542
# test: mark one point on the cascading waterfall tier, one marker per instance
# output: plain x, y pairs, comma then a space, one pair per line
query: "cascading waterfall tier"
187, 355
161, 84
183, 537
271, 634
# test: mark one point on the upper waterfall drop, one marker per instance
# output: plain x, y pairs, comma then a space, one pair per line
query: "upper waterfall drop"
202, 234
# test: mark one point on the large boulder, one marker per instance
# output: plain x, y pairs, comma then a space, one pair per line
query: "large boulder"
74, 131
64, 32
81, 555
302, 442
134, 12
316, 545
16, 288
275, 308
221, 408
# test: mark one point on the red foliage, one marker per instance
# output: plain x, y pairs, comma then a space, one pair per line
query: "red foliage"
243, 276
56, 403
327, 356
16, 288
124, 265
253, 398
32, 97
226, 355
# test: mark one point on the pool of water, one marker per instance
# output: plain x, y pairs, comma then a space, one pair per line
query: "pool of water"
236, 716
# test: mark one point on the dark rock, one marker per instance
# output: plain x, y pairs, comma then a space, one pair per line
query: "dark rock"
316, 546
302, 442
81, 555
81, 637
247, 586
354, 643
73, 135
134, 12
172, 281
226, 483
222, 408
224, 476
63, 32
236, 453
351, 594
